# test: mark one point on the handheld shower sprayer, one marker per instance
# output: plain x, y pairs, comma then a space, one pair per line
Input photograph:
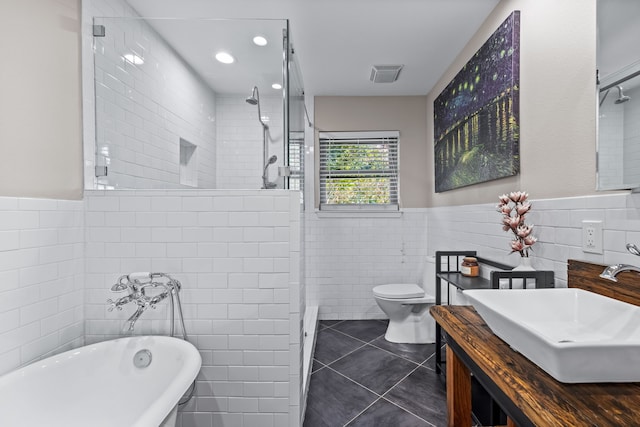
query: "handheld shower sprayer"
254, 99
266, 184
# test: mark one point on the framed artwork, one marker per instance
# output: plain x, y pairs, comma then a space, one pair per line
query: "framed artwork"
476, 117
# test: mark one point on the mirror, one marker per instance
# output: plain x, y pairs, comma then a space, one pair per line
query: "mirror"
618, 59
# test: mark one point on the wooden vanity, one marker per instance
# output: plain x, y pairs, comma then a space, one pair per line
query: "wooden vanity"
528, 395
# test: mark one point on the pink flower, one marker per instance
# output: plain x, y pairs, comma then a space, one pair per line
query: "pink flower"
523, 208
514, 208
518, 196
524, 230
516, 245
506, 209
511, 221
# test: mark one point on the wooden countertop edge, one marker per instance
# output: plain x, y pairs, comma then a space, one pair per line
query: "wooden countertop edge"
545, 401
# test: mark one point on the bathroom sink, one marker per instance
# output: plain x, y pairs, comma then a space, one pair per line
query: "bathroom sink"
574, 335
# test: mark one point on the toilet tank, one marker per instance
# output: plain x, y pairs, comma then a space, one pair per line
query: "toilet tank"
429, 275
429, 284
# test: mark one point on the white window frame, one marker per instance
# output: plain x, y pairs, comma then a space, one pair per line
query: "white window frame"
389, 137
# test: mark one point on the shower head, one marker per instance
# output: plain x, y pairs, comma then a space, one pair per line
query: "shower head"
254, 99
621, 96
272, 159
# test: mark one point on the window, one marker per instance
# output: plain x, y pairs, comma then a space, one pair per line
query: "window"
359, 170
296, 162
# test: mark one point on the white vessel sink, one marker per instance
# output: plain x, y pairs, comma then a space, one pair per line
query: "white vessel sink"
574, 335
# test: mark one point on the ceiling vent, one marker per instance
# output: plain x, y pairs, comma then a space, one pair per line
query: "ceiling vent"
385, 73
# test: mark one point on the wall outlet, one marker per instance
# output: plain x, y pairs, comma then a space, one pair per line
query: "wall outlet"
592, 237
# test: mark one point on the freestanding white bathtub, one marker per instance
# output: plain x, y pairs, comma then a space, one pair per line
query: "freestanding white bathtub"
99, 385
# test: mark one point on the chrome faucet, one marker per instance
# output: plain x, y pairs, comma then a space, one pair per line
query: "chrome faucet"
136, 284
612, 271
134, 317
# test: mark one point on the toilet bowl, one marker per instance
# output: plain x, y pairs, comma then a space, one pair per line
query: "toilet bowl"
407, 306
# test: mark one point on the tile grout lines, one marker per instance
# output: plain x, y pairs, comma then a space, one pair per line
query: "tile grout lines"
380, 396
370, 342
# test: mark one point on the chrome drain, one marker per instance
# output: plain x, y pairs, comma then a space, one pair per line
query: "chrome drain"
142, 359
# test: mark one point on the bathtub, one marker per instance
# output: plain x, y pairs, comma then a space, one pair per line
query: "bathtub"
99, 386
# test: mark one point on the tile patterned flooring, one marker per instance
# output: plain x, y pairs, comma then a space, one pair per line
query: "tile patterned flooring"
360, 379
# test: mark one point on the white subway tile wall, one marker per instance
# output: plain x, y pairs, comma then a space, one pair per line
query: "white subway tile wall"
138, 117
347, 256
240, 295
143, 111
239, 162
557, 224
611, 125
631, 137
41, 279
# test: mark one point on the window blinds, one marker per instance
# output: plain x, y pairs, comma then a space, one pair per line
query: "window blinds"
359, 169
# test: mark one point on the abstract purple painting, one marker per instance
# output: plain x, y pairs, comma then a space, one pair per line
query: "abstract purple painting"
476, 117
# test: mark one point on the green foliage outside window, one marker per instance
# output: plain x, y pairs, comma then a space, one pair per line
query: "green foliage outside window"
358, 174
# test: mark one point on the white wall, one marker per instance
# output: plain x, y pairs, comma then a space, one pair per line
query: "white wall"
557, 101
142, 111
346, 256
237, 255
349, 256
632, 137
41, 279
557, 224
405, 114
610, 144
40, 123
239, 160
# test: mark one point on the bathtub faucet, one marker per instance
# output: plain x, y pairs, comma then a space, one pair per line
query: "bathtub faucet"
128, 327
136, 285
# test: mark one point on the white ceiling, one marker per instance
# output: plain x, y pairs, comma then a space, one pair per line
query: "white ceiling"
336, 41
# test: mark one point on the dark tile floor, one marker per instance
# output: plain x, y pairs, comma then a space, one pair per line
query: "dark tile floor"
360, 379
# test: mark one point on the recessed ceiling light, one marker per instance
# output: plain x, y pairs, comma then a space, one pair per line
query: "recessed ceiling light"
260, 41
225, 58
276, 86
134, 59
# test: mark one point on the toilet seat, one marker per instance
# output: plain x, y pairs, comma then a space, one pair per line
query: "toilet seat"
399, 291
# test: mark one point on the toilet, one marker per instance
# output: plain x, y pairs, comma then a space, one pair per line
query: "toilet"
407, 307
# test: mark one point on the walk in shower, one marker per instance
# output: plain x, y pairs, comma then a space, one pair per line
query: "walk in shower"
208, 149
195, 103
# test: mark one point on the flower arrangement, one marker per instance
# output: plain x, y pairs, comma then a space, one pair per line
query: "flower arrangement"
514, 208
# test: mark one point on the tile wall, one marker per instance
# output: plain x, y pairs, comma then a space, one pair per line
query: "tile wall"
142, 111
237, 255
347, 255
141, 119
632, 136
239, 160
557, 224
611, 144
41, 279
